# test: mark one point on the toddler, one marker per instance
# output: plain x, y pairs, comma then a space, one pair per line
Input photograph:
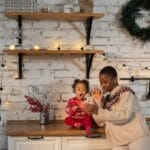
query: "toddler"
77, 117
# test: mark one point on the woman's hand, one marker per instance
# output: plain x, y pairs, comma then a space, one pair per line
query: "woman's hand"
91, 108
84, 106
97, 95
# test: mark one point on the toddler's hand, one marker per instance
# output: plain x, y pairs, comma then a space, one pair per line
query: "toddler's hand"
97, 95
81, 104
74, 108
86, 107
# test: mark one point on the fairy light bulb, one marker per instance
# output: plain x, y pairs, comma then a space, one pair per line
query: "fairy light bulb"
12, 47
15, 76
36, 47
7, 104
5, 67
125, 66
3, 92
102, 57
78, 47
56, 45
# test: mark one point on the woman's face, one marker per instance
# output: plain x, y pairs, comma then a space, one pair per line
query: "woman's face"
107, 82
80, 90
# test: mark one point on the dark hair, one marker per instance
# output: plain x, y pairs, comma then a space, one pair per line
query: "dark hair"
85, 82
109, 70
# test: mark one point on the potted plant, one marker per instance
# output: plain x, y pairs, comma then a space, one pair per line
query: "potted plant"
37, 106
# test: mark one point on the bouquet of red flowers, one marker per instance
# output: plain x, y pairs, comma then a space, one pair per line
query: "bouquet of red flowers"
36, 105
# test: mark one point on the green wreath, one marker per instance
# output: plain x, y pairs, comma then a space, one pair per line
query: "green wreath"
130, 12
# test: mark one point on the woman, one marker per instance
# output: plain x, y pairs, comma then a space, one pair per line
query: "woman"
125, 125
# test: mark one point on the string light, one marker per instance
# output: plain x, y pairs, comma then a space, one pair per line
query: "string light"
12, 47
102, 57
15, 76
2, 65
36, 47
126, 67
77, 47
7, 104
57, 46
130, 67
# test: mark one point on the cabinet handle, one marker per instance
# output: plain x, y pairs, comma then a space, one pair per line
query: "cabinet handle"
96, 135
35, 137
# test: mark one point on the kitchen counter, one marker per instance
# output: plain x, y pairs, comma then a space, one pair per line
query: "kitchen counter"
33, 128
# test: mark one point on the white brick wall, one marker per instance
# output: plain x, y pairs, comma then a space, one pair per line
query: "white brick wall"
56, 73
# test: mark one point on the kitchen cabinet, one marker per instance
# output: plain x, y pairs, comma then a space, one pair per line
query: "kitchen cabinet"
87, 18
34, 143
30, 135
57, 143
83, 143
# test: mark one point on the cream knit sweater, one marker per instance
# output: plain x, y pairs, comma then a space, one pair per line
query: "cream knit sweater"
125, 122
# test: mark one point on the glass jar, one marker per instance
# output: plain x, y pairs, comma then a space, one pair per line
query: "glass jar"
44, 117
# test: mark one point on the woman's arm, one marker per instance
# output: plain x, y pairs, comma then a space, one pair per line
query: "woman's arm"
123, 114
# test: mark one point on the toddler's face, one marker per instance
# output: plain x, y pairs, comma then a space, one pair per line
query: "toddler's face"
80, 90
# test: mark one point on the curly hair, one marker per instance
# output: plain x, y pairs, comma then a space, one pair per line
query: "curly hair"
85, 82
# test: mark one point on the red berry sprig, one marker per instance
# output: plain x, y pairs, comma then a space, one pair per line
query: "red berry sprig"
36, 105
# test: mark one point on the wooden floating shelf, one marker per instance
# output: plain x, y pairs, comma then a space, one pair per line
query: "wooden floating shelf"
87, 18
88, 53
54, 16
44, 51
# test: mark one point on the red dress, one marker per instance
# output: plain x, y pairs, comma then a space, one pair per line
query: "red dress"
77, 115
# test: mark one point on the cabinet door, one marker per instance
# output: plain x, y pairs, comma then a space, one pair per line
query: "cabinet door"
34, 143
83, 143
